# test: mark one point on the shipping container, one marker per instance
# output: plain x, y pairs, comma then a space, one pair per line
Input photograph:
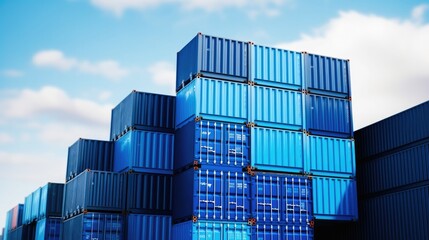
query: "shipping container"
211, 194
89, 154
143, 111
101, 226
149, 193
144, 151
212, 143
27, 209
281, 232
16, 234
212, 57
327, 75
143, 226
51, 200
212, 99
298, 232
334, 199
329, 116
277, 150
48, 229
277, 108
277, 67
24, 232
211, 230
398, 131
94, 191
14, 217
329, 156
32, 206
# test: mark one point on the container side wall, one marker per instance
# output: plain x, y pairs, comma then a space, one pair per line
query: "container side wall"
142, 226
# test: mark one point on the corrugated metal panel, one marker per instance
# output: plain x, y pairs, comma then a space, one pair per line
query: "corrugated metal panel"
89, 154
142, 226
334, 198
212, 143
211, 230
277, 108
212, 57
51, 200
28, 203
391, 133
212, 100
144, 151
277, 150
16, 234
298, 232
277, 67
267, 232
35, 204
14, 217
329, 116
143, 111
327, 75
48, 229
410, 166
105, 226
94, 191
211, 195
331, 156
149, 193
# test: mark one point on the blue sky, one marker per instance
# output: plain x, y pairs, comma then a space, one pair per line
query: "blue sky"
64, 64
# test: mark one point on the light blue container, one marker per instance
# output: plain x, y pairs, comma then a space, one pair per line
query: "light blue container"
28, 203
48, 229
282, 232
211, 230
143, 226
51, 200
32, 206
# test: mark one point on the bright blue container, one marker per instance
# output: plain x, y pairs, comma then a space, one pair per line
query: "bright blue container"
32, 206
149, 193
143, 111
212, 57
107, 226
48, 229
212, 143
144, 151
211, 230
14, 217
211, 195
26, 218
281, 232
143, 226
89, 154
51, 200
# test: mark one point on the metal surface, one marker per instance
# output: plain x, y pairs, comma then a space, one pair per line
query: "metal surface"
51, 200
144, 151
48, 229
211, 230
212, 99
142, 226
14, 217
281, 232
27, 209
32, 206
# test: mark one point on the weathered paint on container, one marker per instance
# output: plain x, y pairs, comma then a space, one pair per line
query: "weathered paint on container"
143, 111
107, 226
327, 75
48, 229
212, 99
51, 200
329, 156
277, 108
149, 193
143, 226
212, 143
329, 116
144, 151
94, 191
89, 154
211, 230
334, 198
212, 57
211, 195
277, 150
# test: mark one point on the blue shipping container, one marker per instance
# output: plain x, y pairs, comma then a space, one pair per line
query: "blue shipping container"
212, 57
144, 151
89, 154
32, 206
102, 226
282, 232
48, 229
212, 143
51, 200
143, 111
14, 217
211, 195
142, 226
94, 191
211, 230
27, 209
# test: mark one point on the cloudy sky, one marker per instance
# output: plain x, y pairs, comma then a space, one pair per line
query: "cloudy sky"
64, 64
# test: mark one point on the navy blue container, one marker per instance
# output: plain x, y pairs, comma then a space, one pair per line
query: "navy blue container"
143, 226
106, 226
89, 154
212, 57
51, 200
143, 111
48, 229
281, 232
212, 143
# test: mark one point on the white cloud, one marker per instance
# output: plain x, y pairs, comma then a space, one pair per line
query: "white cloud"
12, 73
163, 74
57, 60
104, 95
418, 13
389, 63
5, 138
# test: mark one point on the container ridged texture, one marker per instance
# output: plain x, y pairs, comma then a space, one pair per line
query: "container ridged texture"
281, 232
143, 111
16, 234
14, 217
277, 150
32, 206
211, 230
144, 151
277, 67
51, 200
331, 156
212, 57
142, 226
48, 229
212, 100
27, 209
